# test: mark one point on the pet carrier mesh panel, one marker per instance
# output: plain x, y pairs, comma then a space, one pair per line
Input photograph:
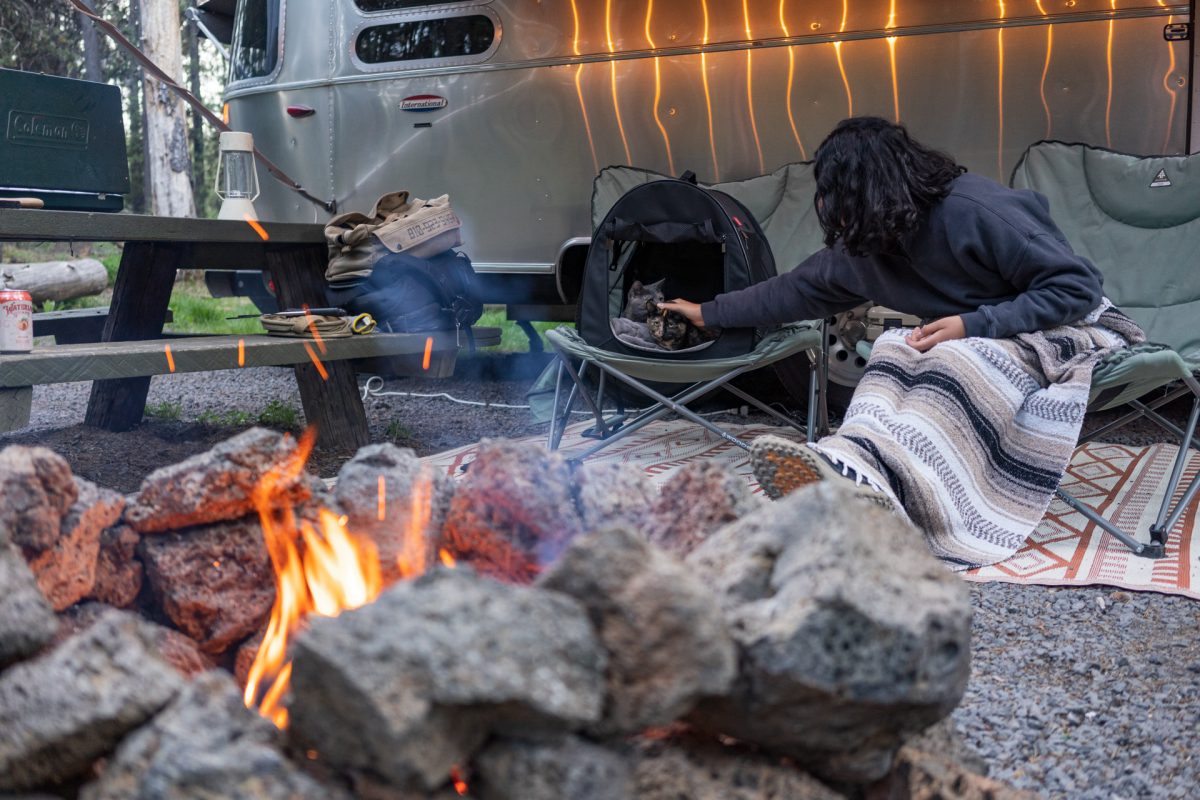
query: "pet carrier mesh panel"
699, 241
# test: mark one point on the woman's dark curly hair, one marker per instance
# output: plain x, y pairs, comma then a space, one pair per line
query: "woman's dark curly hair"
875, 184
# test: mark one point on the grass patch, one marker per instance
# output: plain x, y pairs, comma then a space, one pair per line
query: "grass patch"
397, 431
234, 418
195, 311
512, 338
278, 414
164, 410
91, 301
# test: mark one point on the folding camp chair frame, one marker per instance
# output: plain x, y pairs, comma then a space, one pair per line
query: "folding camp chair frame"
611, 429
1168, 515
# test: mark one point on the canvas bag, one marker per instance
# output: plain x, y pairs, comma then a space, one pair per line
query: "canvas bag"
397, 224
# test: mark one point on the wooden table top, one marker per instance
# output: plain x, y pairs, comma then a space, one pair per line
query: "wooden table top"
25, 225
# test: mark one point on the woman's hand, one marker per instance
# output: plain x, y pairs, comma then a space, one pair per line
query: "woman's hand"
687, 308
936, 332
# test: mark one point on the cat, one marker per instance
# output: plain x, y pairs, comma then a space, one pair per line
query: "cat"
643, 300
673, 331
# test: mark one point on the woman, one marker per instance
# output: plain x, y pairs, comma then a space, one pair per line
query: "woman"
967, 422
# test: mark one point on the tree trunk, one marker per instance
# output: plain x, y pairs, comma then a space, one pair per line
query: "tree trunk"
92, 69
167, 160
56, 280
198, 176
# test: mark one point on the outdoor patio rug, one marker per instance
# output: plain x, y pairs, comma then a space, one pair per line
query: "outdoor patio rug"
1125, 483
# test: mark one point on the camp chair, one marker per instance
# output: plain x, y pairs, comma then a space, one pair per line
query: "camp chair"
1138, 220
783, 202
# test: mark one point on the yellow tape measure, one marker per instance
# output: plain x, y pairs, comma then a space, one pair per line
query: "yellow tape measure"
363, 323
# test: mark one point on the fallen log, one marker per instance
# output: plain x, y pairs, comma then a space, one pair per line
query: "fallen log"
55, 280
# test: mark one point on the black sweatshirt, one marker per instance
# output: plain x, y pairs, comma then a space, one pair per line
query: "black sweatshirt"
986, 252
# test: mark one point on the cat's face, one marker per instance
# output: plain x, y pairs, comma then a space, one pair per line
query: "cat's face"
643, 300
670, 329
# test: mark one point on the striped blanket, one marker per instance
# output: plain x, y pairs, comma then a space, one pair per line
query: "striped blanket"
972, 438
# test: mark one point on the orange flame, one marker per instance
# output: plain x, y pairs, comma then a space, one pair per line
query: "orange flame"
312, 328
381, 512
170, 357
658, 89
750, 86
456, 778
791, 81
447, 559
241, 352
712, 136
1109, 60
587, 125
837, 49
427, 359
324, 373
259, 229
321, 569
612, 65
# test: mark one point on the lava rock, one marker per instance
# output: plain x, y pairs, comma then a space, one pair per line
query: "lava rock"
66, 571
218, 485
666, 640
513, 514
416, 499
917, 775
409, 686
566, 768
119, 571
173, 647
206, 743
697, 501
214, 583
27, 622
246, 653
851, 635
613, 495
61, 711
696, 770
36, 490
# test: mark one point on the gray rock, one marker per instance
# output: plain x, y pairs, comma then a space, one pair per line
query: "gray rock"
666, 640
416, 499
215, 583
409, 686
513, 513
696, 502
565, 768
613, 495
205, 744
218, 485
673, 770
61, 711
36, 489
851, 635
27, 622
66, 570
176, 649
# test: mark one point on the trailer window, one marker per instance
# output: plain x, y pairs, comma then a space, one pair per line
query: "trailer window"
255, 39
450, 37
393, 5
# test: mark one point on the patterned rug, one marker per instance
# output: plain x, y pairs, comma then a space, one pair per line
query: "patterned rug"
1125, 483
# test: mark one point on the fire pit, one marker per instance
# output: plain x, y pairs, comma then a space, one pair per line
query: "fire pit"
531, 630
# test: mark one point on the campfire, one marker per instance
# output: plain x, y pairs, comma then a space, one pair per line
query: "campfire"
532, 629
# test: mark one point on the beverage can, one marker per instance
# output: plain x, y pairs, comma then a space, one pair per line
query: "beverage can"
16, 321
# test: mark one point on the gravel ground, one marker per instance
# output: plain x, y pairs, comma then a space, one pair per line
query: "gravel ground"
1076, 692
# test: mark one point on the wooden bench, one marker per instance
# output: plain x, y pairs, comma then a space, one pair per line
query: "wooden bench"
130, 351
75, 325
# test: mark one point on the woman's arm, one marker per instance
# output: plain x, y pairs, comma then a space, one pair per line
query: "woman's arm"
810, 291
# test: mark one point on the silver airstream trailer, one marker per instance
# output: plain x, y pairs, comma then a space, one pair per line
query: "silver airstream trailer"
512, 106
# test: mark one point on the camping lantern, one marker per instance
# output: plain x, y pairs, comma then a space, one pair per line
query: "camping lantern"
237, 180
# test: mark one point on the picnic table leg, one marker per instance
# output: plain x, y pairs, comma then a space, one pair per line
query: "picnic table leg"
331, 403
138, 311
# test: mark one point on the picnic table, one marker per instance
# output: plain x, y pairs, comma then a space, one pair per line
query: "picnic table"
131, 349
